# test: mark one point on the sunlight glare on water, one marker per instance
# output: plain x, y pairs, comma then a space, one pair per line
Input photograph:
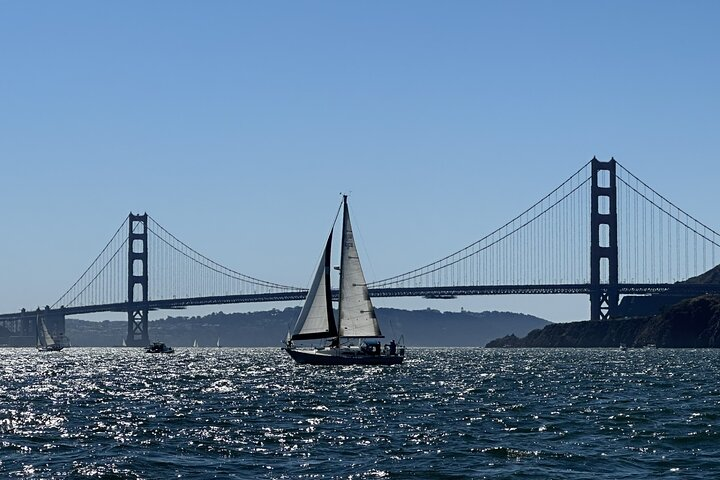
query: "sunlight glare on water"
444, 413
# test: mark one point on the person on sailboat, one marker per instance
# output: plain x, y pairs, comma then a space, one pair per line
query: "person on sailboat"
393, 347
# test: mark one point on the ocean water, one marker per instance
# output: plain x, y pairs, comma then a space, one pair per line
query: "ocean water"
444, 414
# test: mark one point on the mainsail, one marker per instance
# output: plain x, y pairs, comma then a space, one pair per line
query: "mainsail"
44, 337
357, 315
316, 319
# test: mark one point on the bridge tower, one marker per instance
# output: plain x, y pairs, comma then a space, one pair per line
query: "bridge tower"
604, 295
137, 334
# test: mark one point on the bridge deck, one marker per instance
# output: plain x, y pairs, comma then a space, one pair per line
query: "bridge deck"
428, 292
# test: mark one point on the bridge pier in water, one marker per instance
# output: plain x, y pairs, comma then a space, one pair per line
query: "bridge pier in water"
137, 333
54, 322
604, 296
18, 331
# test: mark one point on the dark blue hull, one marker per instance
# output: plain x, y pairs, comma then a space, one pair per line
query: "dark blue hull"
341, 356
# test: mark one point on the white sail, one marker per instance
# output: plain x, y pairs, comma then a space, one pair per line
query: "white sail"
195, 343
357, 315
316, 318
46, 340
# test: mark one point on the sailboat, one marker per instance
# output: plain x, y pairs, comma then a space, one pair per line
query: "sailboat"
195, 344
357, 319
43, 340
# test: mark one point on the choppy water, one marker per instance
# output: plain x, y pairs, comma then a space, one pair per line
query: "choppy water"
445, 413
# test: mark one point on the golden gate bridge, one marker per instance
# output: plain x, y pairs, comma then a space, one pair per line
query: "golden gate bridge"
602, 232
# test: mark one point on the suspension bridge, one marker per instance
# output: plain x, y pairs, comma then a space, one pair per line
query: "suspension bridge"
602, 232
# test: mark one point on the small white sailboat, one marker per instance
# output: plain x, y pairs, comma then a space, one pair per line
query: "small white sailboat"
195, 344
44, 341
218, 343
357, 319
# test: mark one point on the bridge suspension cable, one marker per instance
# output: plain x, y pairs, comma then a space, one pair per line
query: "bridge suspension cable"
105, 274
186, 272
659, 242
547, 243
176, 271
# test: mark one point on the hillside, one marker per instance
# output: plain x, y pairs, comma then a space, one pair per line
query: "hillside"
692, 323
650, 305
268, 328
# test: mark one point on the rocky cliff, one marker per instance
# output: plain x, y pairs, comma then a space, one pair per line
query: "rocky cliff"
692, 323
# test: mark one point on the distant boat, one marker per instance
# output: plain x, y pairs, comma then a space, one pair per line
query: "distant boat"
123, 342
218, 343
357, 315
195, 343
159, 347
44, 341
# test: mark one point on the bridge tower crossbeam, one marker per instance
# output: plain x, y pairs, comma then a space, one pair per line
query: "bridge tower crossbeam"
604, 296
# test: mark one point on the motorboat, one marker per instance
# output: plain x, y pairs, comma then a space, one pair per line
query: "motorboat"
159, 347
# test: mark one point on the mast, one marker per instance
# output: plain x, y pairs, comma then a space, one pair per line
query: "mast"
343, 239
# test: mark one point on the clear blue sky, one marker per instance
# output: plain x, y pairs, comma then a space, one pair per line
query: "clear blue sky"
236, 125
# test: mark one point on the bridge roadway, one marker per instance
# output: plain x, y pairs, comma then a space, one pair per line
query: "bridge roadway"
680, 289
